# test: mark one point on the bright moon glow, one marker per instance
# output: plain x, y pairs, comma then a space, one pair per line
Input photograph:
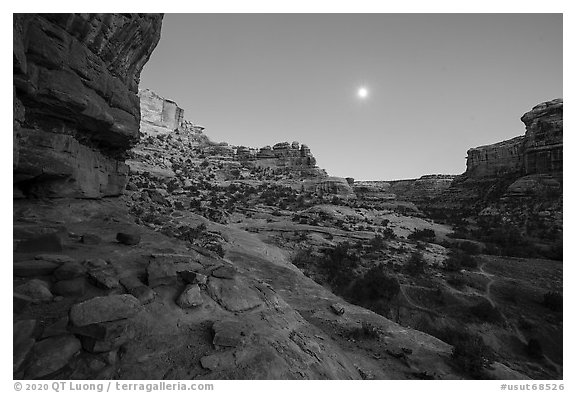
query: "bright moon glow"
362, 93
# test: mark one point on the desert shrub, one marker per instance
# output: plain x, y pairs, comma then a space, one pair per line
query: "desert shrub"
486, 312
190, 234
470, 354
415, 265
459, 259
387, 233
235, 173
423, 235
367, 330
553, 301
303, 258
339, 263
377, 243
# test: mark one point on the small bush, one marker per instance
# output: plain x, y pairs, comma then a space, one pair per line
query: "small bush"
456, 281
377, 243
423, 235
459, 259
303, 258
373, 286
415, 265
471, 355
387, 233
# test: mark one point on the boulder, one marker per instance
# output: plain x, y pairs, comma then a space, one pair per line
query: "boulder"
34, 268
21, 352
226, 272
69, 270
137, 289
143, 293
190, 297
24, 338
75, 287
23, 330
35, 289
21, 302
104, 309
164, 270
104, 330
218, 361
105, 278
95, 263
51, 355
338, 308
233, 295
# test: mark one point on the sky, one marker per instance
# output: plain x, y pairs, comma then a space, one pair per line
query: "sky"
437, 84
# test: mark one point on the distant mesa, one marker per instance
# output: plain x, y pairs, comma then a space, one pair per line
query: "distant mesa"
162, 117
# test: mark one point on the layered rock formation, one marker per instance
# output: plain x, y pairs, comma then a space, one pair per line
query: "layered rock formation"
76, 109
498, 159
329, 185
283, 155
543, 139
159, 115
539, 151
424, 188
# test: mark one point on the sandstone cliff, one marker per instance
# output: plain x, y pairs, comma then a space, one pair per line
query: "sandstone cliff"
415, 190
76, 109
539, 151
159, 115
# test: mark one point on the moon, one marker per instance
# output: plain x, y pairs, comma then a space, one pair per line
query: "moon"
362, 92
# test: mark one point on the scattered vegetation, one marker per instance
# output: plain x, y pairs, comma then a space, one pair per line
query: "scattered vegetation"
470, 354
427, 235
415, 265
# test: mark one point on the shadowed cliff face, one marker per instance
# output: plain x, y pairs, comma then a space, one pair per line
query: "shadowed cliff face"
76, 109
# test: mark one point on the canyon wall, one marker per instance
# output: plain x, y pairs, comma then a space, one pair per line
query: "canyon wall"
76, 106
498, 159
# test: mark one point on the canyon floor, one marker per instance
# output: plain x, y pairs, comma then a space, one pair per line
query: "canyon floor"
275, 320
